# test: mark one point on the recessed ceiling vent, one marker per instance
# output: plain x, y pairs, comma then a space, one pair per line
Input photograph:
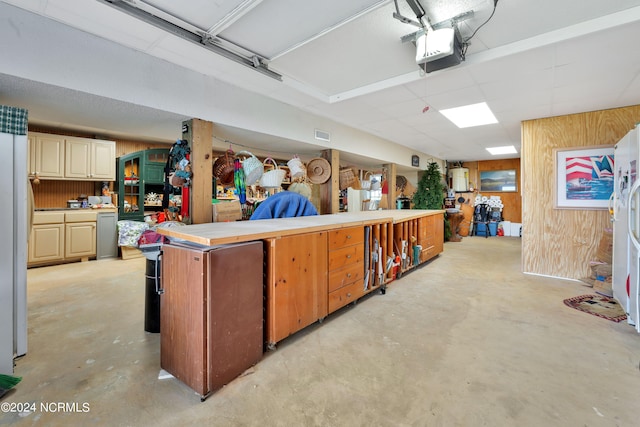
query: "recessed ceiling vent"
322, 135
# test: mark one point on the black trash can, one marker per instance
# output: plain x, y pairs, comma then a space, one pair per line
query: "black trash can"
152, 296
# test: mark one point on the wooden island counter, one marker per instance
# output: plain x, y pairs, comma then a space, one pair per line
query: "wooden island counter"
310, 267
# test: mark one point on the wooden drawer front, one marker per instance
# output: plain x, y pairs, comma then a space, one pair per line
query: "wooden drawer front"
345, 237
428, 241
48, 218
345, 295
427, 253
81, 216
349, 255
346, 275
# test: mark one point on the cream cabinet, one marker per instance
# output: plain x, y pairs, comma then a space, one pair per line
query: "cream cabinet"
90, 159
46, 155
79, 239
66, 157
46, 242
62, 236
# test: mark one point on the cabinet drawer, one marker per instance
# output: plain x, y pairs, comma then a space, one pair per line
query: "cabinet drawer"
427, 253
426, 242
345, 237
346, 275
48, 218
345, 295
345, 256
81, 216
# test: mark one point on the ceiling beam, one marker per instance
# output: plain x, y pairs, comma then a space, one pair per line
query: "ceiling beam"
205, 40
237, 13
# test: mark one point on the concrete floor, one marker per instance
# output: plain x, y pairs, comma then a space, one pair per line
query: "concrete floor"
466, 340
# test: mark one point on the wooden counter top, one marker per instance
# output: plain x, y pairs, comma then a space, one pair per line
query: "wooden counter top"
220, 233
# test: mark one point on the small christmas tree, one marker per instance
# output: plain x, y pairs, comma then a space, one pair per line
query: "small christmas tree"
430, 192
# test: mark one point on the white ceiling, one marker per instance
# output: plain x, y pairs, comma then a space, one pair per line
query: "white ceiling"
344, 60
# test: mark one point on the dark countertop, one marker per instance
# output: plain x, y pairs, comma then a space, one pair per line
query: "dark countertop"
110, 207
62, 209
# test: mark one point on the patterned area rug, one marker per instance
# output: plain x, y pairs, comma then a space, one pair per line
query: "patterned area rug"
598, 305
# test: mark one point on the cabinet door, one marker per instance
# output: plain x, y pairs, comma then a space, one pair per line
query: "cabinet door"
48, 160
103, 160
296, 283
46, 243
130, 197
155, 161
154, 173
438, 233
236, 301
432, 236
106, 235
425, 232
183, 316
31, 158
80, 239
77, 159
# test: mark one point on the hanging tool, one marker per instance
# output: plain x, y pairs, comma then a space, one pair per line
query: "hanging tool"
374, 259
398, 260
184, 207
380, 269
238, 179
367, 231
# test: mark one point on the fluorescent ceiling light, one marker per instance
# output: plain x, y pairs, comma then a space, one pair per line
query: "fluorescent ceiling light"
470, 115
509, 149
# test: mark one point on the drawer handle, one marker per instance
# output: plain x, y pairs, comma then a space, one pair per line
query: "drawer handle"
348, 236
349, 295
348, 256
349, 275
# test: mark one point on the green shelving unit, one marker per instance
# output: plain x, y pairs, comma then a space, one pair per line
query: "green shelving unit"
139, 174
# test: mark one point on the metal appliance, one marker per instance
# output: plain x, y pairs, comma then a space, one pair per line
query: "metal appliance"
625, 215
13, 235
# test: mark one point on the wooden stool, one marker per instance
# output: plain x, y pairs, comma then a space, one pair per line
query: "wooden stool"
454, 222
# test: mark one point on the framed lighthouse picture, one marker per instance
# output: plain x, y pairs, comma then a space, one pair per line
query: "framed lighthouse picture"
583, 177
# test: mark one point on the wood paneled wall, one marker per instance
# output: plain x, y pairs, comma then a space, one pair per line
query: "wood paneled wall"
55, 193
561, 242
512, 201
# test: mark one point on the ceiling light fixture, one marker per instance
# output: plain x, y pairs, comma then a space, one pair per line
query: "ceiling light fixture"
470, 115
507, 149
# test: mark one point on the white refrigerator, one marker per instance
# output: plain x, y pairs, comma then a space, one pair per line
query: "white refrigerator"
625, 212
13, 235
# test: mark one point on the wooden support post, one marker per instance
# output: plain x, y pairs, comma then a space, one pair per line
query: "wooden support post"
391, 182
330, 190
199, 135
